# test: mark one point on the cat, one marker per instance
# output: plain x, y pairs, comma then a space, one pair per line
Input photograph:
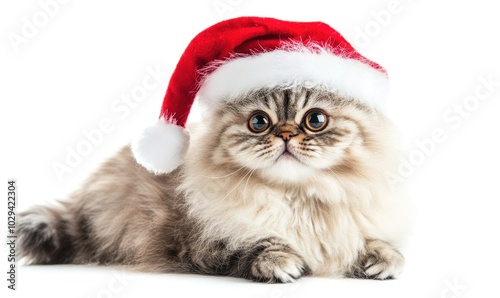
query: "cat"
284, 183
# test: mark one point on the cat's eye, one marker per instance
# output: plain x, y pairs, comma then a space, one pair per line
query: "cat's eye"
258, 122
315, 120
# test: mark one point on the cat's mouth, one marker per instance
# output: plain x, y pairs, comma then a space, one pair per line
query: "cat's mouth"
287, 155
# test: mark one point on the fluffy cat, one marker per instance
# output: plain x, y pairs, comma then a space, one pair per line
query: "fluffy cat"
280, 184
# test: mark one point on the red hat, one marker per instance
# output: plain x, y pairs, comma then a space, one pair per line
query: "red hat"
236, 56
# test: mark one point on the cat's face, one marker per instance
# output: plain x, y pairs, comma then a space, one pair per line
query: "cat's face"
291, 135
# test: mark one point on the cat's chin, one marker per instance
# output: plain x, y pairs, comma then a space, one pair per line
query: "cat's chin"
288, 169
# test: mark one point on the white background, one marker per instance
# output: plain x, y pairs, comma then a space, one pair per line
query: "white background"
67, 76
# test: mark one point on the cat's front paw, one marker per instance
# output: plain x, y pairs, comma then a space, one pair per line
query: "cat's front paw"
380, 261
277, 262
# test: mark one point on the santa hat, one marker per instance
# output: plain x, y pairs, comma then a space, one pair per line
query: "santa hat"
237, 56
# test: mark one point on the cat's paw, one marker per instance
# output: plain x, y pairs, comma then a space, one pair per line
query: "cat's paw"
277, 263
380, 261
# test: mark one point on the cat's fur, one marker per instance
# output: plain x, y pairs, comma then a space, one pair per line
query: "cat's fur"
235, 208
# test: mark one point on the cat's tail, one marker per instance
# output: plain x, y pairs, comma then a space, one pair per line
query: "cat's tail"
44, 235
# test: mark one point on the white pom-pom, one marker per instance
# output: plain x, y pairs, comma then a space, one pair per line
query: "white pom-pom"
161, 147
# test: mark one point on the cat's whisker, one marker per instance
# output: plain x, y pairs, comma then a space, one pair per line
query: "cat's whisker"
248, 179
322, 173
242, 154
314, 145
335, 174
308, 163
225, 176
249, 172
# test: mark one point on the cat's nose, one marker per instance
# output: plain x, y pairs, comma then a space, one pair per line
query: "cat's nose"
286, 135
286, 131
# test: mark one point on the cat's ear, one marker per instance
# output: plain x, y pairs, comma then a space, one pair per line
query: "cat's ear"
161, 147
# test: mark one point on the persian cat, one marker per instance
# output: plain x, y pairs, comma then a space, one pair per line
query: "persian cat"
280, 184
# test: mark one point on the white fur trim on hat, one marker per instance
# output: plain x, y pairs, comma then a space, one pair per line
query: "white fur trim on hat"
310, 67
161, 147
